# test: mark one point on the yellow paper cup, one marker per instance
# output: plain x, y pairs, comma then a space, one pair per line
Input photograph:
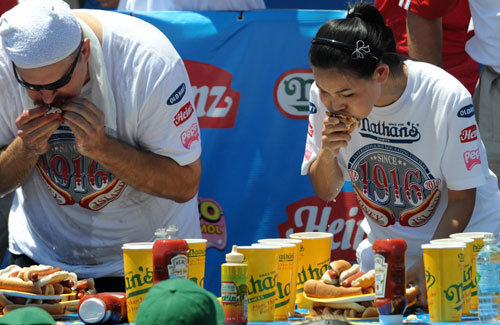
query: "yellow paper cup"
315, 252
138, 267
262, 273
444, 266
476, 247
285, 275
467, 279
197, 251
296, 255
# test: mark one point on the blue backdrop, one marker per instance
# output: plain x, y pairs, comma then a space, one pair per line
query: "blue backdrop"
251, 77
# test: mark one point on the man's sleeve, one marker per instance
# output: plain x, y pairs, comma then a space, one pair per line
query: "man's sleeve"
430, 9
168, 123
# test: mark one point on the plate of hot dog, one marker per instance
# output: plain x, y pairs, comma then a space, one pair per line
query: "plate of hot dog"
42, 286
345, 290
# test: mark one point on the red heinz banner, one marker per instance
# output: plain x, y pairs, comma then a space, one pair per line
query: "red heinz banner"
251, 79
341, 217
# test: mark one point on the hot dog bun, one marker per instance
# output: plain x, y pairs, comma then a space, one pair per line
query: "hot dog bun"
58, 277
338, 267
319, 289
18, 284
349, 272
370, 312
351, 122
365, 281
26, 273
348, 282
9, 270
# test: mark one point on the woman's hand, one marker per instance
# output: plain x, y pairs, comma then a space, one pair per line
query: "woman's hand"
415, 275
334, 135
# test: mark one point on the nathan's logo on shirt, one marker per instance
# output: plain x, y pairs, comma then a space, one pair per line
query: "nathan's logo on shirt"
190, 135
468, 134
466, 111
310, 130
390, 132
177, 95
215, 102
472, 158
291, 93
72, 178
184, 114
393, 186
312, 108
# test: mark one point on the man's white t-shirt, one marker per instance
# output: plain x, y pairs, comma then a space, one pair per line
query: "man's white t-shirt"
73, 213
484, 46
405, 156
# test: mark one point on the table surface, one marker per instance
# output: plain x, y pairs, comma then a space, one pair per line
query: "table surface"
72, 319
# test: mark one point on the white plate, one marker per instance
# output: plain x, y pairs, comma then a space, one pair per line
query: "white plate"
356, 298
12, 293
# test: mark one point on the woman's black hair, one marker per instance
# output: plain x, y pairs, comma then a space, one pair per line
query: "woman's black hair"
356, 44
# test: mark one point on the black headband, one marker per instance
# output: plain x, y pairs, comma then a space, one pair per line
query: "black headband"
357, 52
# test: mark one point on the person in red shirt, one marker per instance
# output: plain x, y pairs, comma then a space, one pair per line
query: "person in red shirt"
440, 36
6, 5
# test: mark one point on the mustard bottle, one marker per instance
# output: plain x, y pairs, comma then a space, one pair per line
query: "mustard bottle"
234, 288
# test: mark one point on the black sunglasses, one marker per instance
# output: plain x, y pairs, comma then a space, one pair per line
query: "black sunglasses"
65, 79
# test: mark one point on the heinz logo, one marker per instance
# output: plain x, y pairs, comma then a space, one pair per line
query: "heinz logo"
215, 102
190, 135
469, 134
291, 93
341, 218
177, 95
184, 114
471, 158
466, 111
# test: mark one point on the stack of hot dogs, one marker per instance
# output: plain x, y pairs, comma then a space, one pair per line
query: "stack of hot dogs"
39, 280
344, 280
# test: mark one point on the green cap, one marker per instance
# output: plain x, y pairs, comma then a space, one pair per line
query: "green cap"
28, 316
179, 301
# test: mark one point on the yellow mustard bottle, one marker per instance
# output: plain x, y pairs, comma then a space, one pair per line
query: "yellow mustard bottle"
234, 288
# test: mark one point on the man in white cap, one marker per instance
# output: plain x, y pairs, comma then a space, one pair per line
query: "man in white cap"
102, 139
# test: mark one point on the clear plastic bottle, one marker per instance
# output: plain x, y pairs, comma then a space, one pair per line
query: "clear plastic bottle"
488, 280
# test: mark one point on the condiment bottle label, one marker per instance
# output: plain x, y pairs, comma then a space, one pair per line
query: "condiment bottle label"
381, 268
178, 267
229, 293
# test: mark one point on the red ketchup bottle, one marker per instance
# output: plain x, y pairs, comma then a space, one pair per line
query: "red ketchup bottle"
170, 255
390, 279
103, 308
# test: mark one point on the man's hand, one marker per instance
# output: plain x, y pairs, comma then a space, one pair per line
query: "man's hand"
35, 129
87, 123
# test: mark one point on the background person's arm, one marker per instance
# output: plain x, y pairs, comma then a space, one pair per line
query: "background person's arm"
425, 38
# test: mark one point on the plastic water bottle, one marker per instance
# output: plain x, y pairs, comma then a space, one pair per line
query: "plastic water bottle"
488, 280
